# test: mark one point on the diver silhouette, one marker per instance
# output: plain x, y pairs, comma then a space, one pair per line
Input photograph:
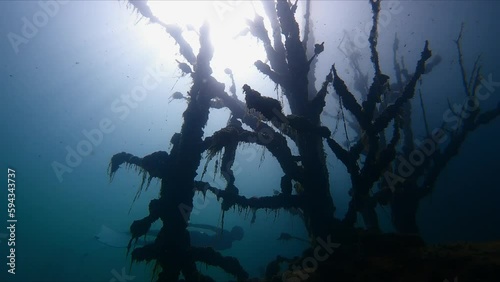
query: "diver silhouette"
221, 239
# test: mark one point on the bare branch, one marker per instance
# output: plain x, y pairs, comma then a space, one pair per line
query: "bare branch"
391, 111
458, 42
269, 202
349, 100
229, 264
265, 69
155, 164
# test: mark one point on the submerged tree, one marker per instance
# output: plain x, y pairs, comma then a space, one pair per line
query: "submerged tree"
382, 120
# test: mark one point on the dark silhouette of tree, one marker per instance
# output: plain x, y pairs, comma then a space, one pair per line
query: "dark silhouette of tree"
382, 121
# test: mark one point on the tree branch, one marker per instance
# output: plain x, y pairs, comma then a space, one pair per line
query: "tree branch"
391, 111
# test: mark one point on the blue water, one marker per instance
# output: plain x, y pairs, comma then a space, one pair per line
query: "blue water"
64, 80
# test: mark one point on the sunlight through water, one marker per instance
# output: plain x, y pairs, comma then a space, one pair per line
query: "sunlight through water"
236, 48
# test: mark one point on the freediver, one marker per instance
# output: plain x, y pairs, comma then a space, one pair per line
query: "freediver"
220, 240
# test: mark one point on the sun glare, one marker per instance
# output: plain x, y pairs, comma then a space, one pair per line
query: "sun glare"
227, 20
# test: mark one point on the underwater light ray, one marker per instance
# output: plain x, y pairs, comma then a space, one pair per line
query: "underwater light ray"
182, 20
